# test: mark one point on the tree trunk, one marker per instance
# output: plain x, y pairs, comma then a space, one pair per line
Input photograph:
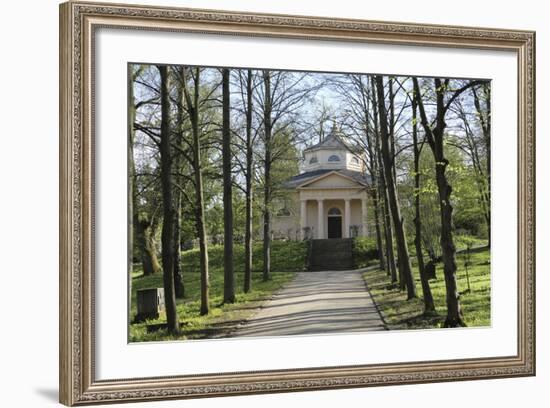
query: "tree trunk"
168, 205
199, 197
373, 169
487, 139
388, 233
267, 176
398, 222
454, 312
147, 229
249, 192
391, 128
131, 183
435, 136
485, 121
426, 290
381, 257
391, 125
228, 276
179, 288
383, 192
178, 276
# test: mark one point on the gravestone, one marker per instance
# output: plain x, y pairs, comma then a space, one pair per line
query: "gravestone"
150, 302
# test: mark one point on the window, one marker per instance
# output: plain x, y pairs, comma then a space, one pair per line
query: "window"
355, 160
334, 211
334, 158
313, 160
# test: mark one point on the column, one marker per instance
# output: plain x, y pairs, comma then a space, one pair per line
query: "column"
347, 217
303, 218
320, 219
364, 231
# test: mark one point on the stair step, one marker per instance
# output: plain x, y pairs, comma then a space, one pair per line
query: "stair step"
331, 254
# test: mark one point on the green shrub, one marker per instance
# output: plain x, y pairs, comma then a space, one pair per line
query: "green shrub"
365, 251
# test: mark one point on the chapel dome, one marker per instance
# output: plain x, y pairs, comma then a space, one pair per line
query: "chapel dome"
331, 152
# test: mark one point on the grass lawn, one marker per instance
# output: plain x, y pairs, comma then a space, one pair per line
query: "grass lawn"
286, 257
402, 314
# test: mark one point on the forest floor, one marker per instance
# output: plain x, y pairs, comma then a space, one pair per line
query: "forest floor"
400, 313
287, 257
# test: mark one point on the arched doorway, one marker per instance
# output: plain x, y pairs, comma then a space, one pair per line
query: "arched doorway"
334, 223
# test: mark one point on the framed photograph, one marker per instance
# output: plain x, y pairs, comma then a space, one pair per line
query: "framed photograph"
255, 203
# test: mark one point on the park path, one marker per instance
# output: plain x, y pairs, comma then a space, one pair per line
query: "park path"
316, 302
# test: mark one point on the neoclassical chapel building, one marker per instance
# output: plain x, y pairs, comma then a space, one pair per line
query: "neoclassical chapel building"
329, 198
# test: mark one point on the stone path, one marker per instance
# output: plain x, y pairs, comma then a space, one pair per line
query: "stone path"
316, 302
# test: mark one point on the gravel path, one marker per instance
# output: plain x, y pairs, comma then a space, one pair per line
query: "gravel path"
316, 302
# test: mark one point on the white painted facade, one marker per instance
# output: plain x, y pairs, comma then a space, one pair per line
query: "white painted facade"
328, 199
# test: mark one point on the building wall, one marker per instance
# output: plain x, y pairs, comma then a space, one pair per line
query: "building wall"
311, 216
322, 155
288, 227
334, 181
333, 189
322, 160
351, 164
356, 218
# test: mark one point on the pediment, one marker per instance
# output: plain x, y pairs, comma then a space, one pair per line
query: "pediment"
331, 180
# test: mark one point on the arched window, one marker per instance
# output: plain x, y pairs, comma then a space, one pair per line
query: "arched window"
313, 160
334, 158
355, 160
334, 211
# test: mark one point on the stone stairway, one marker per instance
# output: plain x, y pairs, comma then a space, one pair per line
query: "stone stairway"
331, 254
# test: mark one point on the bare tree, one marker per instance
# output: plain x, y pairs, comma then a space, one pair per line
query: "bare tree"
398, 222
132, 184
435, 135
382, 189
192, 99
268, 134
429, 306
229, 276
476, 143
282, 94
249, 175
354, 91
145, 184
168, 204
245, 159
179, 165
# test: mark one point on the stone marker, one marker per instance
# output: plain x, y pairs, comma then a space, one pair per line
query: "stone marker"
150, 302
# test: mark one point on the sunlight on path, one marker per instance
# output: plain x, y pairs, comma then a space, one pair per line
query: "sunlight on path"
317, 302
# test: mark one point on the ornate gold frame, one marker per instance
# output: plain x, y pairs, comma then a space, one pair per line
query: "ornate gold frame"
77, 24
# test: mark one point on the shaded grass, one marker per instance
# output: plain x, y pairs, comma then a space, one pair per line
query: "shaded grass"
365, 249
286, 258
399, 313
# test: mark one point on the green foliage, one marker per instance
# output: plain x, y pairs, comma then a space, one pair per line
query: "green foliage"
365, 251
287, 257
468, 213
400, 313
286, 164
